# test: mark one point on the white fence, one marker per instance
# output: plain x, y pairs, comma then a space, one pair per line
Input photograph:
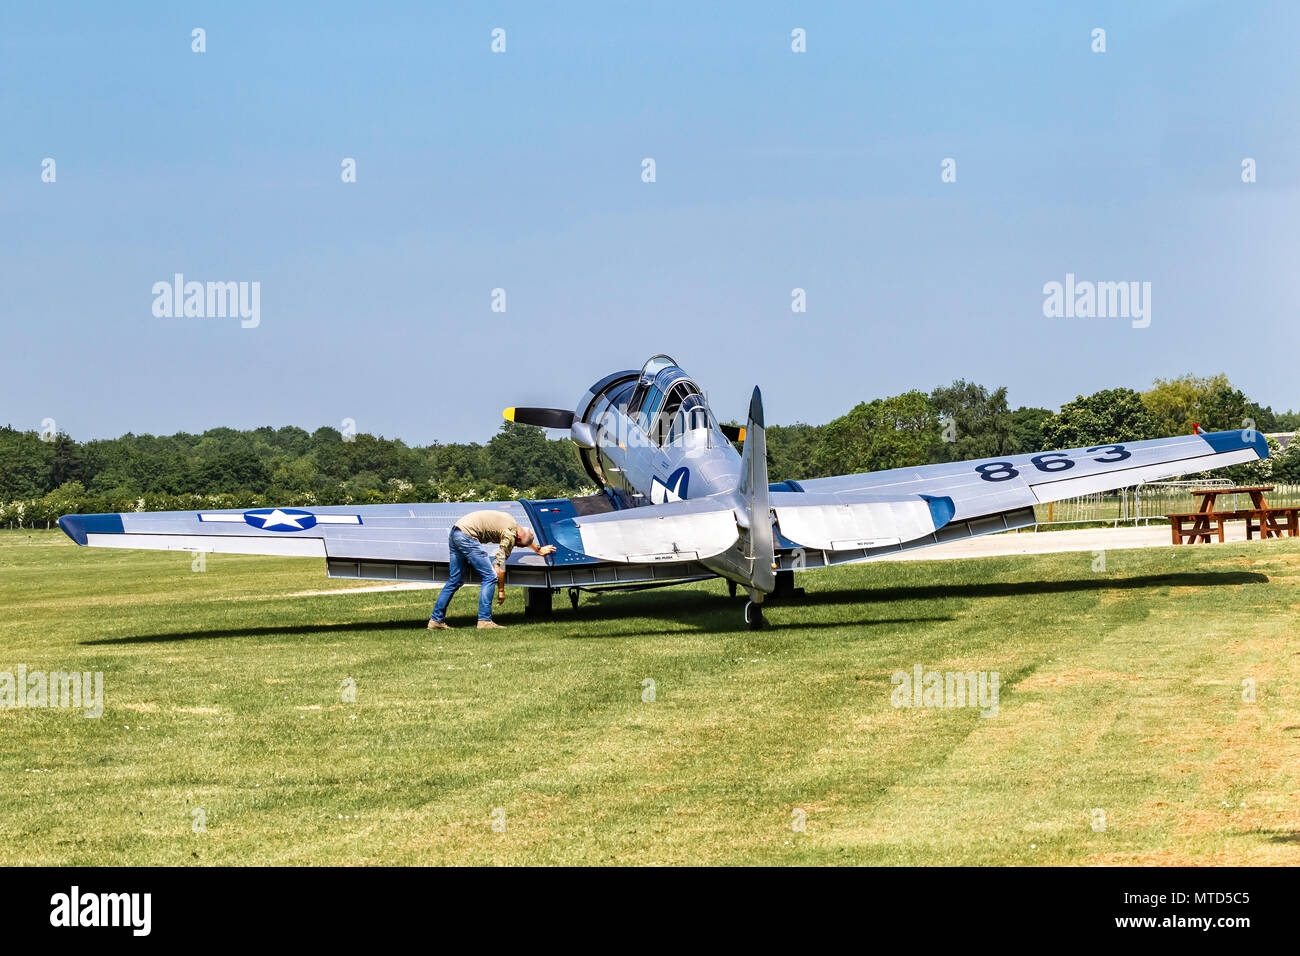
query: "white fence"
1142, 504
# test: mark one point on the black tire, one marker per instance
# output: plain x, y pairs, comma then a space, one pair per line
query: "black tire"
753, 615
573, 597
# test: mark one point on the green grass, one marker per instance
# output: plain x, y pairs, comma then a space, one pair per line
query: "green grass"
1120, 691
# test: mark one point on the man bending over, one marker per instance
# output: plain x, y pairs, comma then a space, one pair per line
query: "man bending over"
481, 527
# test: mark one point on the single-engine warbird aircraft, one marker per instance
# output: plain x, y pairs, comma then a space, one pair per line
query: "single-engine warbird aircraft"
678, 503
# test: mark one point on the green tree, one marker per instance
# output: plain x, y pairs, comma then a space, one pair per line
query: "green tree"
1111, 415
236, 471
1287, 421
1027, 429
457, 463
790, 450
1174, 404
26, 464
65, 461
293, 476
522, 457
324, 437
1213, 403
976, 423
66, 499
886, 433
1224, 409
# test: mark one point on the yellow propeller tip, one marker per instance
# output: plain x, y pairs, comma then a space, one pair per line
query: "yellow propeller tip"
508, 414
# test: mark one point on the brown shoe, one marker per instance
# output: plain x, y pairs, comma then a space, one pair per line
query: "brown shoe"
438, 625
486, 624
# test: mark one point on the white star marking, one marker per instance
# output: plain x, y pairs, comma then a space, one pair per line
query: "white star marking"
278, 517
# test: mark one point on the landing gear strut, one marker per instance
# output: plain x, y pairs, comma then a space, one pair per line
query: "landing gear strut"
573, 597
731, 589
537, 603
785, 586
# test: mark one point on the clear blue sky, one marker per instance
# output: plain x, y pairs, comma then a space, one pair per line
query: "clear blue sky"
522, 170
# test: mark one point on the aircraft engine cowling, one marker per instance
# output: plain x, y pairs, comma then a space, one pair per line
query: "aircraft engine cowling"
590, 406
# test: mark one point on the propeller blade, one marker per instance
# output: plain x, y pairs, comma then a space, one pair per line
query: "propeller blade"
545, 417
733, 432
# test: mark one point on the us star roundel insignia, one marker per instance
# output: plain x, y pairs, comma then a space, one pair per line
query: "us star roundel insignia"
279, 519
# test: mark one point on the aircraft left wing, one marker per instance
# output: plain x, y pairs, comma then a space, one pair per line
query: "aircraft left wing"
416, 532
398, 542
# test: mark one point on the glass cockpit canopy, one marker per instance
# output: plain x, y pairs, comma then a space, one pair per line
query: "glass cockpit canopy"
666, 403
656, 364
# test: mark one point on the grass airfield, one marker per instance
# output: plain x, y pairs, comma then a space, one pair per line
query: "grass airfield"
225, 738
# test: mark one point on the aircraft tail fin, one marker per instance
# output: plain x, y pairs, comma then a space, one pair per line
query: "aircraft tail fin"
753, 488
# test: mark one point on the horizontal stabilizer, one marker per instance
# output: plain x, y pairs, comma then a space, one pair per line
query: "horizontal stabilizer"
841, 523
678, 531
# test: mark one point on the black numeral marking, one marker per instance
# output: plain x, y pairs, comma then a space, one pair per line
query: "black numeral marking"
1054, 461
997, 471
1116, 450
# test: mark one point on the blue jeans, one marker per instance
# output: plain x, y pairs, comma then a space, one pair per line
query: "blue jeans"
465, 550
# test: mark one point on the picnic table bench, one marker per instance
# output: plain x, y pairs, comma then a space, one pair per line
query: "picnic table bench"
1193, 527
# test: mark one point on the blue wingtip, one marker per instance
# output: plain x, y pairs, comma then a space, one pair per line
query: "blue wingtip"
77, 527
72, 527
941, 509
1236, 440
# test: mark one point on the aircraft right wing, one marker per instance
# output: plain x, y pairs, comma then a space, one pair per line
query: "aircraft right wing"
841, 522
999, 494
992, 486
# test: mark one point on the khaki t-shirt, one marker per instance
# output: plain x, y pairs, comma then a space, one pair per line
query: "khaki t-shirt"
489, 527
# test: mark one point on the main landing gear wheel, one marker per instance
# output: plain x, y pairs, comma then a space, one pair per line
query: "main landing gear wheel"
573, 597
753, 615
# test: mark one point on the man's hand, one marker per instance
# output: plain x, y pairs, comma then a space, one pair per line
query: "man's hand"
501, 595
549, 549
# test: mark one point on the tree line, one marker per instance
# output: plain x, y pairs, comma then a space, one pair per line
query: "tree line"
964, 421
224, 467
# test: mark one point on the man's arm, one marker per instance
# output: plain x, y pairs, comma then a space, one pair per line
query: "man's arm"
503, 551
505, 546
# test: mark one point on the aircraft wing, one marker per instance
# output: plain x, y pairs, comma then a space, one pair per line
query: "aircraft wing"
992, 486
415, 532
658, 534
854, 520
399, 542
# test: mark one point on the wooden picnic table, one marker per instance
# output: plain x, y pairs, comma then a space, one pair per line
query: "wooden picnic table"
1269, 522
1256, 492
